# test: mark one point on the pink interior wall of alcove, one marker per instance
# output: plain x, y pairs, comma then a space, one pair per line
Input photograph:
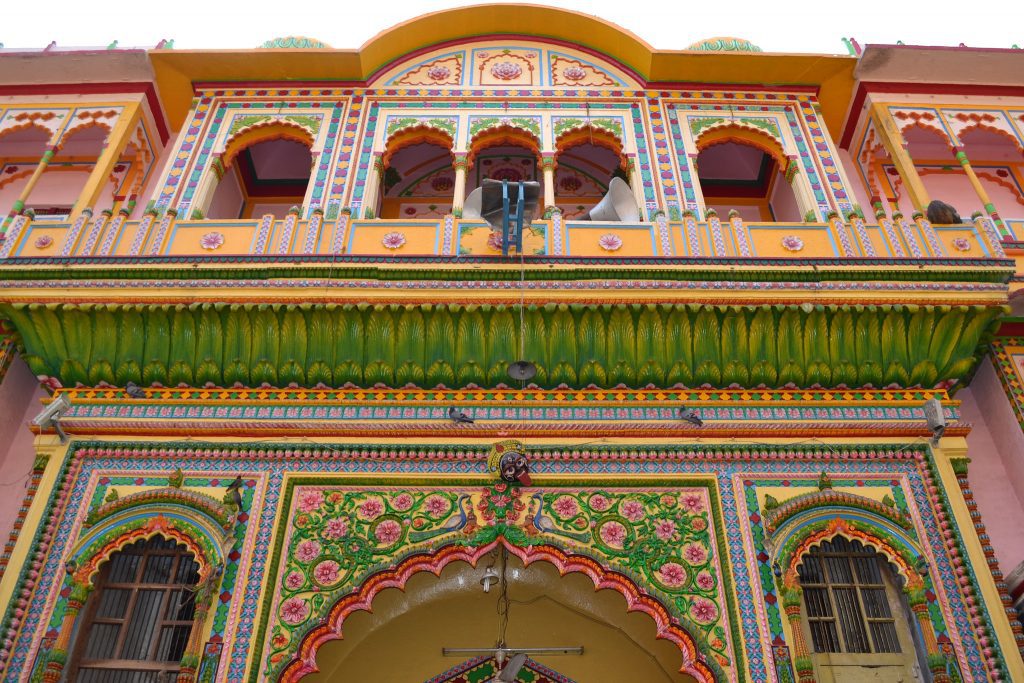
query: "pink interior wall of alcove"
996, 473
19, 403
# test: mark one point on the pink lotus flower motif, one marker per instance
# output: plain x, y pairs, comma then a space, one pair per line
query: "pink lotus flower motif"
665, 529
43, 241
307, 551
695, 553
699, 524
692, 502
668, 500
506, 71
335, 528
326, 572
211, 241
438, 72
494, 240
294, 580
705, 581
402, 502
310, 500
599, 502
613, 534
371, 509
575, 73
960, 243
570, 183
388, 531
436, 506
566, 507
703, 611
792, 243
442, 183
633, 510
610, 242
294, 611
393, 240
672, 574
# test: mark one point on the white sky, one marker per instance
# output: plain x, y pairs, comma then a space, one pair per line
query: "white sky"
780, 26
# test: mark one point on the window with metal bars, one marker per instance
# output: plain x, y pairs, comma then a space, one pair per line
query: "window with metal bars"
137, 622
846, 599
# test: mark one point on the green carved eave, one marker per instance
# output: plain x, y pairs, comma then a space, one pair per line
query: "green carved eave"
494, 269
456, 345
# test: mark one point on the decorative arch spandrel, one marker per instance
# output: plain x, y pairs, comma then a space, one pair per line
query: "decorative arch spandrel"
343, 545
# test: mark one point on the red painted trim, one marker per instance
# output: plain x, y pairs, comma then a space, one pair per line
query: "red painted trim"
912, 88
1014, 329
149, 89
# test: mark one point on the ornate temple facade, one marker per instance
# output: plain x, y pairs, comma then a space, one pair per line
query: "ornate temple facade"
258, 419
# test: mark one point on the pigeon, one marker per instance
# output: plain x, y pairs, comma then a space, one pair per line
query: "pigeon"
235, 489
690, 416
134, 390
458, 416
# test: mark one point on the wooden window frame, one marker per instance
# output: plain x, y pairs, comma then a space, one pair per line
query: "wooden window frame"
168, 669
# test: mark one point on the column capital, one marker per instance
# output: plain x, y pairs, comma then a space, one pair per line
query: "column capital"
460, 161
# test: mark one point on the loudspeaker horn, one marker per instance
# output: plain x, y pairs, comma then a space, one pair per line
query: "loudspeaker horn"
617, 205
473, 206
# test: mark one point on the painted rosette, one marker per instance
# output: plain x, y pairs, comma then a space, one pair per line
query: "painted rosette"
393, 240
43, 242
387, 531
211, 241
961, 244
671, 575
610, 242
614, 535
506, 71
792, 243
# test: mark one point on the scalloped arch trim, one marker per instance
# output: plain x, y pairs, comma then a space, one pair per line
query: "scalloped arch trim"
637, 600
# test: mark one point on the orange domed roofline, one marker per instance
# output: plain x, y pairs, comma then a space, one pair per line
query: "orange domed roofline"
427, 31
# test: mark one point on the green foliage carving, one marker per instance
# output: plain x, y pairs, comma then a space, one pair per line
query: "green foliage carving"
455, 345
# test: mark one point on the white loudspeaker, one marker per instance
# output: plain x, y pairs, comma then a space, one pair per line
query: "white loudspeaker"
473, 206
618, 205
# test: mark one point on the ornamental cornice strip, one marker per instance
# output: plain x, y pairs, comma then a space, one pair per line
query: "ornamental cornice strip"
164, 496
776, 517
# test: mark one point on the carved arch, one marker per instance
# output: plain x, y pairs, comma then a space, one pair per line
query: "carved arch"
275, 129
1001, 132
196, 521
591, 134
504, 134
27, 125
414, 135
85, 125
744, 135
668, 627
802, 532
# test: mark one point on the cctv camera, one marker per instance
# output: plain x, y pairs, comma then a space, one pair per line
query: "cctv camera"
935, 418
53, 411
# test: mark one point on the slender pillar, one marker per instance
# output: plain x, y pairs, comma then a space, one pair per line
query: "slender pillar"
893, 142
19, 203
461, 165
791, 603
636, 183
547, 164
936, 660
192, 658
979, 189
116, 142
374, 180
57, 659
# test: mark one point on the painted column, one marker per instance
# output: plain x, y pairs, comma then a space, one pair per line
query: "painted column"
374, 180
936, 661
979, 189
547, 164
461, 165
791, 599
892, 140
805, 201
57, 659
194, 650
19, 203
636, 183
204, 194
116, 142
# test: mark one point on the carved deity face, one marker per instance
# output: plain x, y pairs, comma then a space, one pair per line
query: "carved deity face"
513, 468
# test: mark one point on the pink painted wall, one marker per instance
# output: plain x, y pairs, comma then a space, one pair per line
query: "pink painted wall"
858, 190
19, 403
227, 198
783, 201
996, 472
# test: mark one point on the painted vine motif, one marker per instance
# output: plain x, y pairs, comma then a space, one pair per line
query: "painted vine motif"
661, 539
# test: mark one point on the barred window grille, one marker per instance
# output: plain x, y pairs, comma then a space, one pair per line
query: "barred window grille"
846, 599
139, 618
